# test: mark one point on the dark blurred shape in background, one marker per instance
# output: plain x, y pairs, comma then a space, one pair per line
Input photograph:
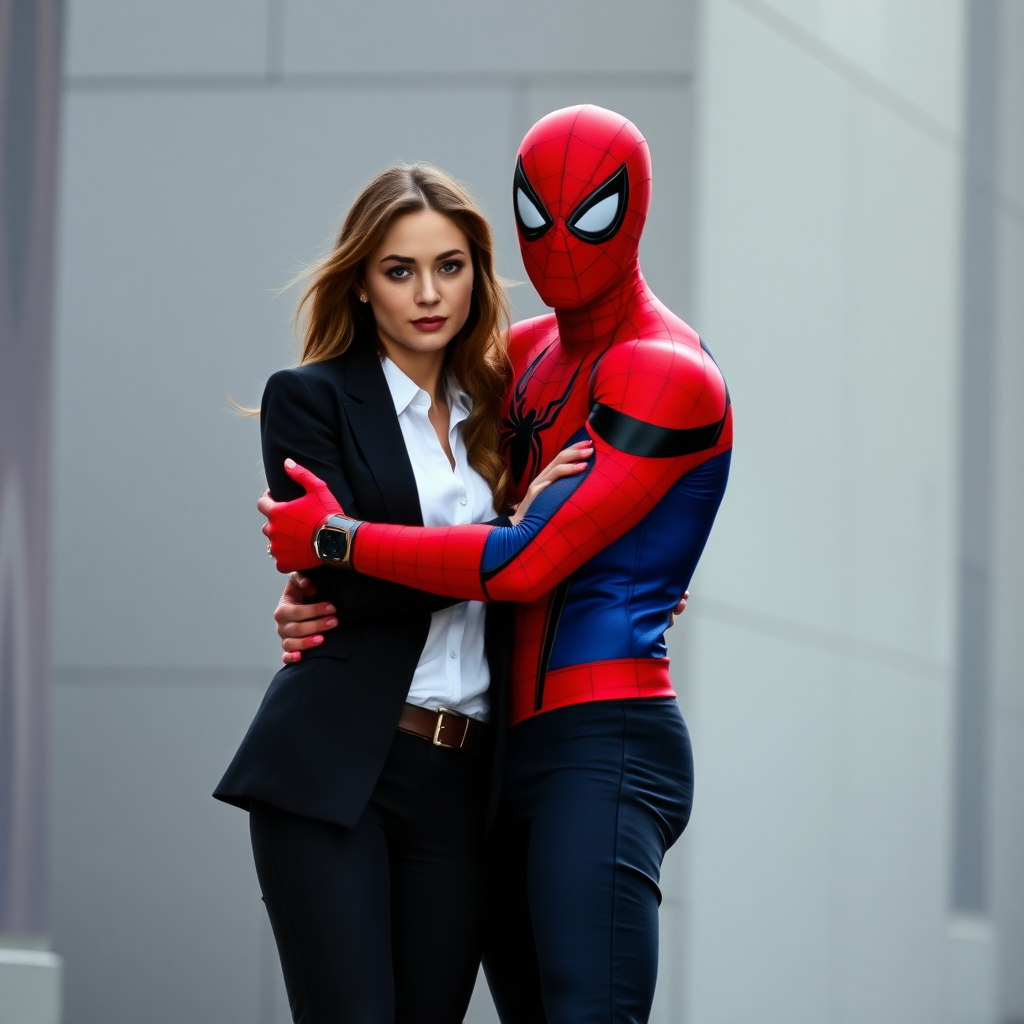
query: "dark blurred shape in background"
30, 85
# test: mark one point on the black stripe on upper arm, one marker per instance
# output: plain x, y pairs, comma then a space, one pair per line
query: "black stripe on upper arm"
635, 437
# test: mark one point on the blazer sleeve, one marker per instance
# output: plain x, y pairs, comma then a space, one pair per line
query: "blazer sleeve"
294, 424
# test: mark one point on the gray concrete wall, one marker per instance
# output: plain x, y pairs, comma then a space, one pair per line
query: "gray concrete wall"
822, 639
209, 151
807, 219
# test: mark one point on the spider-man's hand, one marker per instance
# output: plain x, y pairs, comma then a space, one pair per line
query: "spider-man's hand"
291, 525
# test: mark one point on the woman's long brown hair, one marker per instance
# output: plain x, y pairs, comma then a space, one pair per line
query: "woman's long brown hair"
332, 318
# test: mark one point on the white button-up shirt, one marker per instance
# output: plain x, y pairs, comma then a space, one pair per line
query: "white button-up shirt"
452, 670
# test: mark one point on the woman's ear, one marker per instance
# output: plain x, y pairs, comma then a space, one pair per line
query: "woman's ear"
359, 288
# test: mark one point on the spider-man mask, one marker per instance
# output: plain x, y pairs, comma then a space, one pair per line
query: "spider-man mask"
581, 192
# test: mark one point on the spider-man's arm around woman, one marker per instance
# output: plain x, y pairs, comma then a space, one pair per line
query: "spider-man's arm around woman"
660, 409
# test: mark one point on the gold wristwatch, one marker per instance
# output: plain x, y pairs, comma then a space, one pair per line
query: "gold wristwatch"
333, 541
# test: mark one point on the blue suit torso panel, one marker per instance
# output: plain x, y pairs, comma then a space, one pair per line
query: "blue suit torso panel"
619, 603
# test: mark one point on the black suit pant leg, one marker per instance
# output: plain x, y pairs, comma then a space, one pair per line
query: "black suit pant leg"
381, 922
594, 794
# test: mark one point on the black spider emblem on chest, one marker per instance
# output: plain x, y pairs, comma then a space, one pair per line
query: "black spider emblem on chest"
522, 426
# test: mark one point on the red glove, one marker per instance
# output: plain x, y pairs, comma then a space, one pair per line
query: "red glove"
291, 525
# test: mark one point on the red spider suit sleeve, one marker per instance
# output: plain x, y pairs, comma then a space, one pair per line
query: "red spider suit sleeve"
660, 408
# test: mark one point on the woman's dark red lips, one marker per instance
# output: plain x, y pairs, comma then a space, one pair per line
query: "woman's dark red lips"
430, 320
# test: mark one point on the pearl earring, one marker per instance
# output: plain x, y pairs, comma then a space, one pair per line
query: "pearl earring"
362, 298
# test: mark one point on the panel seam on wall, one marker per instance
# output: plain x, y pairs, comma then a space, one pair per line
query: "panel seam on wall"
172, 676
908, 111
366, 81
972, 726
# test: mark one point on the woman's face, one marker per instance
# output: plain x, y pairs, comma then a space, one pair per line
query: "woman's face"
419, 281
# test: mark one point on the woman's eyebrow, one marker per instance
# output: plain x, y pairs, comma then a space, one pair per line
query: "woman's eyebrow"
409, 259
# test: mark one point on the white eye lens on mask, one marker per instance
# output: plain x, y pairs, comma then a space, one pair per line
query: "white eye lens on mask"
528, 213
599, 217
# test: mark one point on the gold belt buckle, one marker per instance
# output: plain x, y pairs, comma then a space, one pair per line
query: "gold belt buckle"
437, 741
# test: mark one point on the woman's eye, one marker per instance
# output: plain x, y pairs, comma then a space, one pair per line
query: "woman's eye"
399, 273
451, 267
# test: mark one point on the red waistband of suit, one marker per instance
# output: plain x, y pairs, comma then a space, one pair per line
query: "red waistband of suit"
620, 679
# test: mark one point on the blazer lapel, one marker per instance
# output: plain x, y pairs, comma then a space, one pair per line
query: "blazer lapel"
371, 414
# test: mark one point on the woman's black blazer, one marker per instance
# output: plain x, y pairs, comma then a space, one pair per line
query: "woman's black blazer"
318, 742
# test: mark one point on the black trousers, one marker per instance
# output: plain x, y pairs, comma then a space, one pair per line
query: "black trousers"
381, 922
594, 794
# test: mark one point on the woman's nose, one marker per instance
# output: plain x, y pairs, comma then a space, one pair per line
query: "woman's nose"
428, 294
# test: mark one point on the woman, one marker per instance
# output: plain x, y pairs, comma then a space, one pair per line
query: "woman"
365, 768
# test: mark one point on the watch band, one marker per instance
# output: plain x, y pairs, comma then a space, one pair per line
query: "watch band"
333, 541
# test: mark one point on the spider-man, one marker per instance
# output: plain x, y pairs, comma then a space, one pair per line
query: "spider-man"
598, 773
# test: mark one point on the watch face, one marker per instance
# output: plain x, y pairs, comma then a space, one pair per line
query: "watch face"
333, 545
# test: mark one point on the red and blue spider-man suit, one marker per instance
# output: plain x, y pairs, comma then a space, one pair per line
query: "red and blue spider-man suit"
601, 558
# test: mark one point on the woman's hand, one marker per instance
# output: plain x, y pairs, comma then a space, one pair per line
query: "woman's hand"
568, 462
679, 608
301, 626
291, 525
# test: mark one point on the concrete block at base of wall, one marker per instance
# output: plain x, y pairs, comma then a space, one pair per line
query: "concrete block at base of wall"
971, 974
30, 986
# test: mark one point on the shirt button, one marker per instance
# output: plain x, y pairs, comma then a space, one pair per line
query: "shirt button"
452, 654
463, 500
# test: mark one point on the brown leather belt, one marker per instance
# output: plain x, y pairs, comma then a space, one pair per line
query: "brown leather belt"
442, 727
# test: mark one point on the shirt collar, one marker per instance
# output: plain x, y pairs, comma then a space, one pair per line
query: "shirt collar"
459, 404
403, 390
